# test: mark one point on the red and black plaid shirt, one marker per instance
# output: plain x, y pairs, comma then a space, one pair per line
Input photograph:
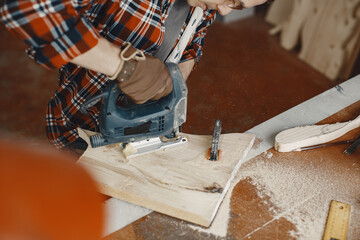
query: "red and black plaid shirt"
59, 30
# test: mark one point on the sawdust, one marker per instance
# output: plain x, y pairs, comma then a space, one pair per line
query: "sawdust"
267, 155
220, 222
296, 182
297, 191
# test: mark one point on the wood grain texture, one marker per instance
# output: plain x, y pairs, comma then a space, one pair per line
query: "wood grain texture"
327, 33
294, 138
179, 182
352, 48
291, 30
279, 11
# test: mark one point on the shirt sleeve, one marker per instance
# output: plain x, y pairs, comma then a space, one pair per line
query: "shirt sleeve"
56, 31
194, 48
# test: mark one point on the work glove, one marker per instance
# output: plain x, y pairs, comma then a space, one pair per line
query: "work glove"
142, 77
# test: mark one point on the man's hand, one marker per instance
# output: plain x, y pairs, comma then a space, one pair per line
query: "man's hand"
150, 80
224, 6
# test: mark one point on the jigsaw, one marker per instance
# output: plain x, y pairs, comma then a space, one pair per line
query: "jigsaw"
141, 128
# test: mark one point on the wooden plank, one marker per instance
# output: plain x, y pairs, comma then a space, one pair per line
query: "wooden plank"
352, 49
279, 12
310, 27
179, 182
292, 28
327, 31
328, 27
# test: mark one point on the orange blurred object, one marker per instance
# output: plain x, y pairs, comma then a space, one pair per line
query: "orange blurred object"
45, 195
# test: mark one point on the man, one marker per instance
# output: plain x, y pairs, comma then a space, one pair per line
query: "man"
91, 43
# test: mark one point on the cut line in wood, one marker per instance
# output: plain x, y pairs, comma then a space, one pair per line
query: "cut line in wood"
305, 136
179, 182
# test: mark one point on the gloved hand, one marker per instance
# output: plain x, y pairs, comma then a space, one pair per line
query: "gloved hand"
142, 77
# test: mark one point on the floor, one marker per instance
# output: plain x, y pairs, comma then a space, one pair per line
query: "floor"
244, 79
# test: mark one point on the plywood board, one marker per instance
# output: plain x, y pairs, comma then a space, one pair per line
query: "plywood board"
179, 182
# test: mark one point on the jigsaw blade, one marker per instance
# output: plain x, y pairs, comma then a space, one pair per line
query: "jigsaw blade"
213, 154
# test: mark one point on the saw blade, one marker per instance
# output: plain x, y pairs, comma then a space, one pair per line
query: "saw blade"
213, 154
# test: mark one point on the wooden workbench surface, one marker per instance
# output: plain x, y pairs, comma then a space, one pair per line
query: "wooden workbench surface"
251, 64
277, 196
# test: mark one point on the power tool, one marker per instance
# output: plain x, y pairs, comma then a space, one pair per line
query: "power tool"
146, 127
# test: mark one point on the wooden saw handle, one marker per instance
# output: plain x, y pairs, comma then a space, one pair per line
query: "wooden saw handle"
298, 137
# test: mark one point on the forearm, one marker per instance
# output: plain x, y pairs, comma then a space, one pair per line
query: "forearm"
52, 29
103, 58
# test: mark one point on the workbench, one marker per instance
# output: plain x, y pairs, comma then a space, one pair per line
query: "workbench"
249, 210
275, 195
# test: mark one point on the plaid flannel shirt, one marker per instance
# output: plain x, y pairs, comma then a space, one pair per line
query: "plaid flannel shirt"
59, 30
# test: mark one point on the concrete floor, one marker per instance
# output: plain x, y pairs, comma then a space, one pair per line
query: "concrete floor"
244, 78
